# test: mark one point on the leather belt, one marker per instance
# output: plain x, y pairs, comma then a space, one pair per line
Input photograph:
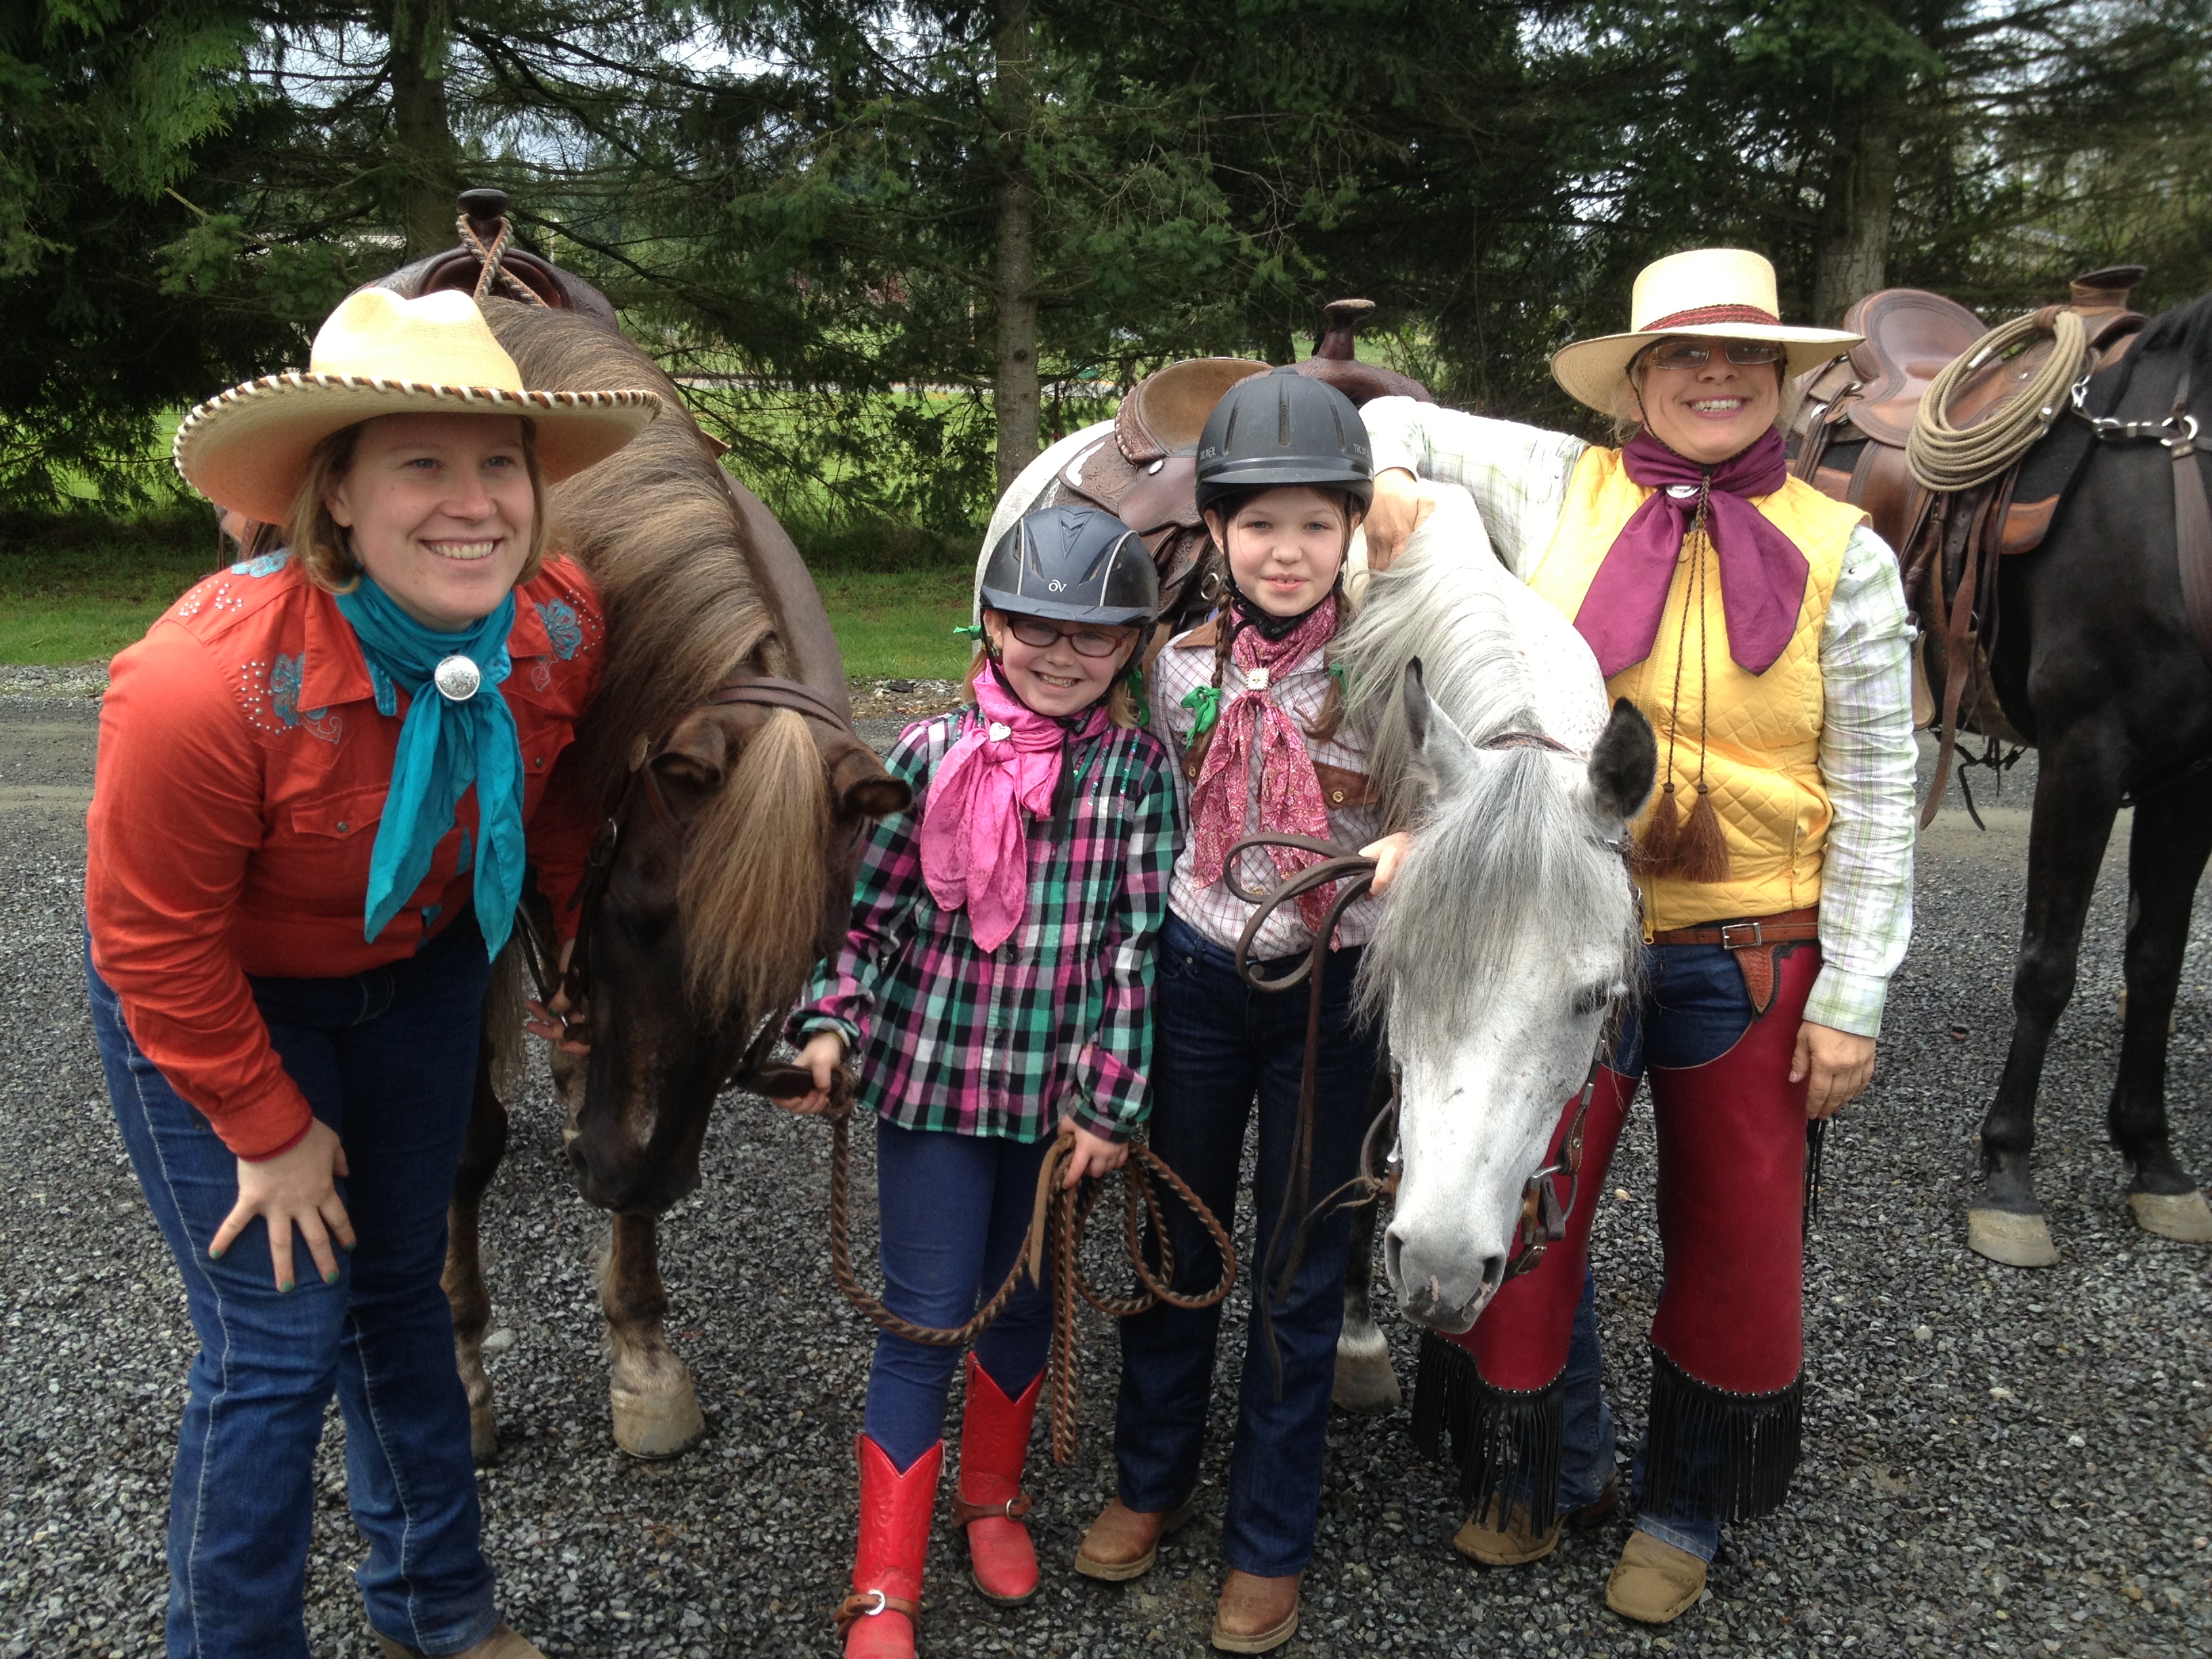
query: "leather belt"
1753, 941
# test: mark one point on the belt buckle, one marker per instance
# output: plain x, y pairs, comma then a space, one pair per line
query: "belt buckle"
1742, 935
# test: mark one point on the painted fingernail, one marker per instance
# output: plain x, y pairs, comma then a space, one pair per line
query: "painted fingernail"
285, 1286
331, 1277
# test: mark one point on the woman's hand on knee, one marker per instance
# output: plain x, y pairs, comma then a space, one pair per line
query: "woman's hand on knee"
1094, 1154
298, 1188
823, 1054
1834, 1066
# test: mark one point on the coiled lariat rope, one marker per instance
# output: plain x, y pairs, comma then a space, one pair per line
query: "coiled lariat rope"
1059, 1215
492, 255
1944, 458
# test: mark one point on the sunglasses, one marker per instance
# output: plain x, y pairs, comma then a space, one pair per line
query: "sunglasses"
1696, 353
1088, 641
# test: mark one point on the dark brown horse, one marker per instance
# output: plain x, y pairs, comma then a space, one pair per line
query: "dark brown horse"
724, 869
2091, 657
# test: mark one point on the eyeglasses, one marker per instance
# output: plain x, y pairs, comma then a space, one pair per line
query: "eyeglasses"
1088, 641
1696, 353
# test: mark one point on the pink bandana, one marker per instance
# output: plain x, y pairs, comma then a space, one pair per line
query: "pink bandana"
974, 846
1252, 728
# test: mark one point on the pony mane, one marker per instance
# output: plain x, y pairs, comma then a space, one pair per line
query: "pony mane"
659, 536
657, 530
1507, 861
2189, 325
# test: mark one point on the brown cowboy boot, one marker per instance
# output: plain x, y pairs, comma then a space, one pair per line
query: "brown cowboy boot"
501, 1643
989, 1502
1514, 1541
1654, 1582
1123, 1543
877, 1619
1255, 1614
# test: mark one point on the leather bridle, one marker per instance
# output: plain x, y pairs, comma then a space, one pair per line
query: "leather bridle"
760, 690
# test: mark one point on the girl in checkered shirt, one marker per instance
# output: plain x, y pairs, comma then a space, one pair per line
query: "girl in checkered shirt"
997, 982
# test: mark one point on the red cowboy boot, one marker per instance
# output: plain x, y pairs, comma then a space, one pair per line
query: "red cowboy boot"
877, 1619
994, 1443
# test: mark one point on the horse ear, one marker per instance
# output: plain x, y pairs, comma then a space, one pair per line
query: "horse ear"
1442, 755
863, 788
697, 752
1623, 765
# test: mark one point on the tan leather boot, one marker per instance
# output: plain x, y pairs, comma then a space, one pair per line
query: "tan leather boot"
1255, 1614
1512, 1541
1654, 1582
501, 1643
1123, 1543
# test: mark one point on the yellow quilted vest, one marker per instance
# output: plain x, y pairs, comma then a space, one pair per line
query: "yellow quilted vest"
1762, 732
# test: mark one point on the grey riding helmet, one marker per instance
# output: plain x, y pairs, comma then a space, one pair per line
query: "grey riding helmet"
1072, 564
1282, 428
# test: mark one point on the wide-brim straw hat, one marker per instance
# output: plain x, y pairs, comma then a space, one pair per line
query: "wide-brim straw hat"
1714, 293
377, 353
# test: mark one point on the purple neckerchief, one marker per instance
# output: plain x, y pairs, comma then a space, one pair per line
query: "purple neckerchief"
1762, 573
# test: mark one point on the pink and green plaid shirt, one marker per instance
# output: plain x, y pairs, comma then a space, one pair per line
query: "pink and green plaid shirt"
1000, 1042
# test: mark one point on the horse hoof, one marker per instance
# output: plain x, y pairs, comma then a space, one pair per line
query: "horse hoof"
2013, 1240
2185, 1215
484, 1434
1365, 1382
654, 1426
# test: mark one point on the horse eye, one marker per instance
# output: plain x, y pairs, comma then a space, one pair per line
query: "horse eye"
1593, 999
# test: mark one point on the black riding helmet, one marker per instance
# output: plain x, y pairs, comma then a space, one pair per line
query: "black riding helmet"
1072, 564
1282, 428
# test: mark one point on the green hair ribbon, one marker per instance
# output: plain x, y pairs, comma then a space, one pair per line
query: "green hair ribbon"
1206, 700
970, 631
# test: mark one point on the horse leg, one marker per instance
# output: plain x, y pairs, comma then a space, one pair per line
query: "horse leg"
481, 1149
1365, 1381
656, 1412
2075, 801
2165, 855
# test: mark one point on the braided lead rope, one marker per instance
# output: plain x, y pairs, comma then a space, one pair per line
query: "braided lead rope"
1944, 458
493, 257
1060, 1216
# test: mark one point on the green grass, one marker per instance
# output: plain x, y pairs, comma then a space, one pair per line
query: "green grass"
78, 589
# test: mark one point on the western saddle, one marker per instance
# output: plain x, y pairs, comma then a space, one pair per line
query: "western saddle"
1848, 439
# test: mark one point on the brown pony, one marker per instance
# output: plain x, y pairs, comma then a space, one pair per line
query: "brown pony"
725, 876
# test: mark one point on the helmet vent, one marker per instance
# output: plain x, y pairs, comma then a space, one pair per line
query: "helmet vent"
1283, 417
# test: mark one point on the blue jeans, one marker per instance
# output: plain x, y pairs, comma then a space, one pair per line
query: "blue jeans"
955, 1209
1218, 1043
388, 1059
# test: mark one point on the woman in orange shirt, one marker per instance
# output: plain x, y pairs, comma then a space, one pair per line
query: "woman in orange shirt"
321, 777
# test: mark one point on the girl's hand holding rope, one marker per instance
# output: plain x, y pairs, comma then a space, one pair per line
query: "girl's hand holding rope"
823, 1055
1092, 1154
550, 1019
1388, 854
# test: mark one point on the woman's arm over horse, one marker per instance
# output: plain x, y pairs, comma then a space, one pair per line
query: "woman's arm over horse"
1517, 474
844, 992
1866, 758
177, 811
1112, 1095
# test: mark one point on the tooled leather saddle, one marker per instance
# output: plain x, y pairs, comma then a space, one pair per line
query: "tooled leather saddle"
1145, 472
1848, 440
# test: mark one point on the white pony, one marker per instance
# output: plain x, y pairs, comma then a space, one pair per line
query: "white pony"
1511, 930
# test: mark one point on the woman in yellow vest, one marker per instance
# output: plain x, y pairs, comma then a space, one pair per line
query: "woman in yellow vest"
1761, 628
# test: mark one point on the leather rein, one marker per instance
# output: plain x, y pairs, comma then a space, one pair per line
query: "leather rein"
540, 955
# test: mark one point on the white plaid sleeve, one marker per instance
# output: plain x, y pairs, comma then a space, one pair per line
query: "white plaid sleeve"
1516, 474
1866, 762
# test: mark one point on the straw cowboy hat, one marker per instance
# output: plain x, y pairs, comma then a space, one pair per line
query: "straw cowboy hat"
377, 353
1715, 292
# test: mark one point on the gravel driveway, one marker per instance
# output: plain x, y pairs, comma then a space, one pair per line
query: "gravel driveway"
1997, 1462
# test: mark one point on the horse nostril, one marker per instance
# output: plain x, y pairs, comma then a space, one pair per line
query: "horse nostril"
1493, 1274
1393, 1248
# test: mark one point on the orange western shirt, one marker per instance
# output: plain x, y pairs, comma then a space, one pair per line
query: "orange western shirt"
242, 772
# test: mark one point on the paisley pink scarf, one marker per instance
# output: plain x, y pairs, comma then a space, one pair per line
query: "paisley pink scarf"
1252, 730
974, 845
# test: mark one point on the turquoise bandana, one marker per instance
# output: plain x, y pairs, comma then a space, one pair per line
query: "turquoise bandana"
458, 731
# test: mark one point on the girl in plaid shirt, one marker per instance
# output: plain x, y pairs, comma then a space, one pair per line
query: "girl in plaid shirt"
997, 981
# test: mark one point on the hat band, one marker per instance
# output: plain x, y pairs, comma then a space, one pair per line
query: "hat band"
1700, 316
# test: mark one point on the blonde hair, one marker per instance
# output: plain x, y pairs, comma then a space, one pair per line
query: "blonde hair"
320, 543
1121, 707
